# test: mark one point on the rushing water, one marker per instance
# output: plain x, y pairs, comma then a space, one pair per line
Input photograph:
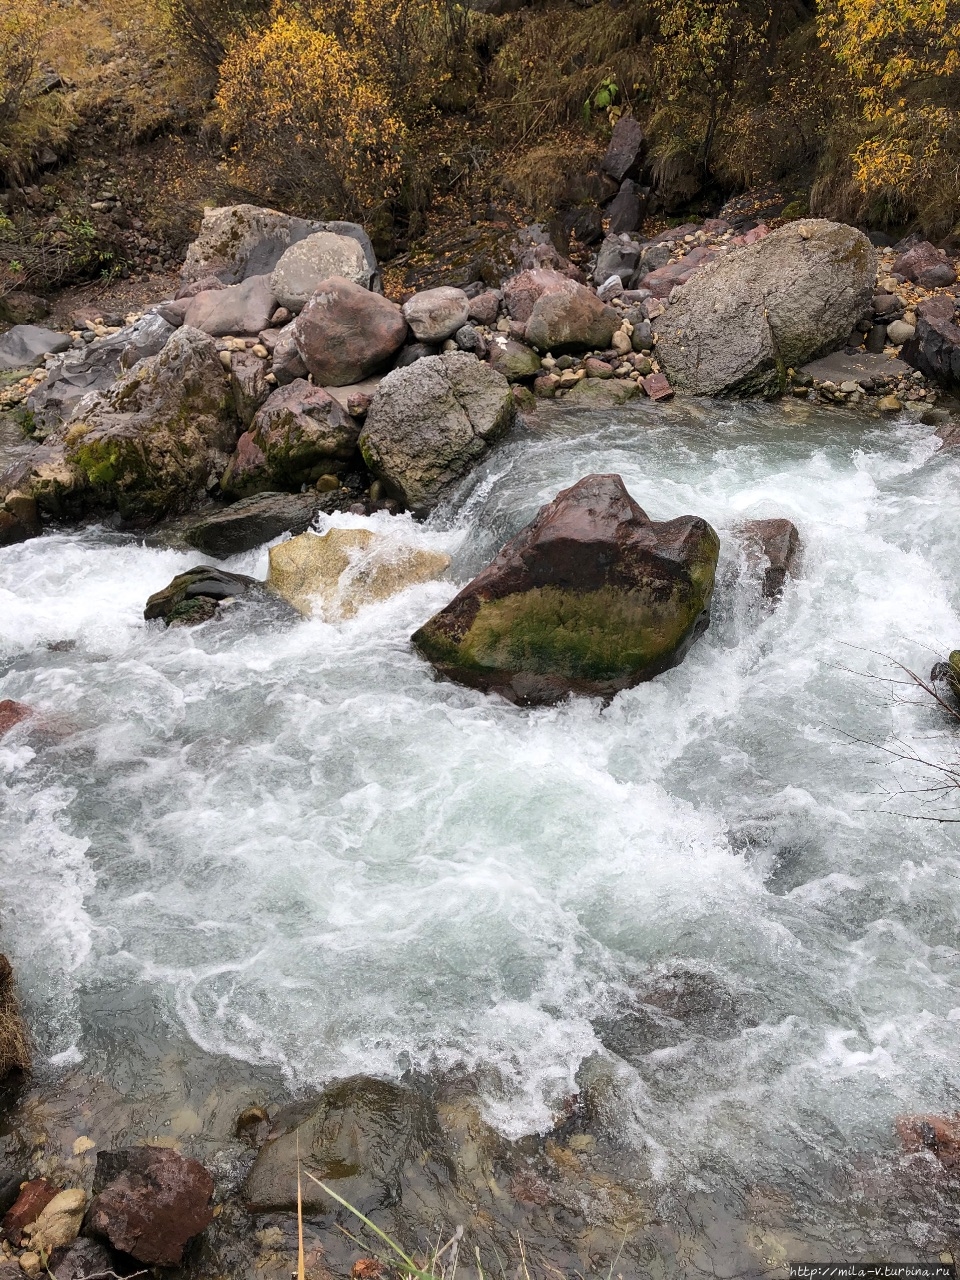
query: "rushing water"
297, 849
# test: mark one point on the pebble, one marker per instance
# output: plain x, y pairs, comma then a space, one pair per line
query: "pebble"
31, 1265
226, 359
260, 351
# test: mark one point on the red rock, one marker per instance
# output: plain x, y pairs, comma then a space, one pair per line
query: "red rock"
939, 1135
159, 1203
11, 713
521, 293
773, 545
484, 307
656, 386
29, 1204
926, 265
345, 333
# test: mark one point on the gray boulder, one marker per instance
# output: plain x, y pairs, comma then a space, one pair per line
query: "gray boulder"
742, 320
308, 262
95, 368
25, 345
429, 423
575, 320
304, 433
436, 314
252, 522
618, 256
625, 151
242, 240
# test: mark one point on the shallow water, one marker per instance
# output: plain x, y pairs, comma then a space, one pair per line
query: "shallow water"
297, 849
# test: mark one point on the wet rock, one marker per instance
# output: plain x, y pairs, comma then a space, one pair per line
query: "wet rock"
513, 359
625, 151
345, 333
339, 572
592, 597
301, 433
742, 320
305, 264
522, 292
82, 1260
657, 386
430, 422
161, 435
935, 347
243, 240
377, 1143
155, 1207
30, 1203
204, 592
239, 309
939, 1135
251, 522
926, 265
575, 320
247, 472
25, 345
436, 314
248, 382
772, 548
252, 1126
19, 519
59, 1223
13, 713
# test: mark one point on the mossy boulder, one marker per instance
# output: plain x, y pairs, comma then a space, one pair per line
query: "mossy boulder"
205, 592
592, 597
161, 435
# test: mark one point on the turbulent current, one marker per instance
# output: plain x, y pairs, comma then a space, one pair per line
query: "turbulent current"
298, 850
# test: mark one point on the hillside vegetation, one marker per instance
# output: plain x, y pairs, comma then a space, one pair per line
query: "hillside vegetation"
389, 111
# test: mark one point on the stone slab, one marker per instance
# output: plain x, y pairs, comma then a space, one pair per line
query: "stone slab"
839, 367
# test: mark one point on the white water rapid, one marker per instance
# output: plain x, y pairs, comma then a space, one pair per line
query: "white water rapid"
307, 853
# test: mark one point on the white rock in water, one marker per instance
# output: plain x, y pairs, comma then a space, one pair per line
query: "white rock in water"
305, 264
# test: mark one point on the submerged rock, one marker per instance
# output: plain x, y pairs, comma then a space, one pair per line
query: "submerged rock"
344, 569
940, 1135
592, 597
202, 593
12, 713
155, 1207
741, 321
429, 423
251, 522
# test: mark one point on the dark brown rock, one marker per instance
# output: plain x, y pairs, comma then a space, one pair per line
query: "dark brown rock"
345, 333
251, 522
201, 594
926, 265
657, 386
158, 1204
626, 150
773, 547
11, 713
484, 307
935, 347
19, 519
940, 1135
592, 597
30, 1203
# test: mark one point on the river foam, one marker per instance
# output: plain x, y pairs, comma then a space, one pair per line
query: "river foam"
315, 857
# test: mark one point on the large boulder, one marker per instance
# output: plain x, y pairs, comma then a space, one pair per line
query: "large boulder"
935, 347
592, 597
572, 320
305, 264
95, 368
338, 572
25, 345
522, 292
157, 1204
742, 320
302, 433
251, 522
242, 309
345, 333
161, 435
625, 151
771, 550
436, 314
242, 240
429, 423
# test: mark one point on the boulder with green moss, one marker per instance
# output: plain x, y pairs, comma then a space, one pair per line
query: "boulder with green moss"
592, 597
161, 435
